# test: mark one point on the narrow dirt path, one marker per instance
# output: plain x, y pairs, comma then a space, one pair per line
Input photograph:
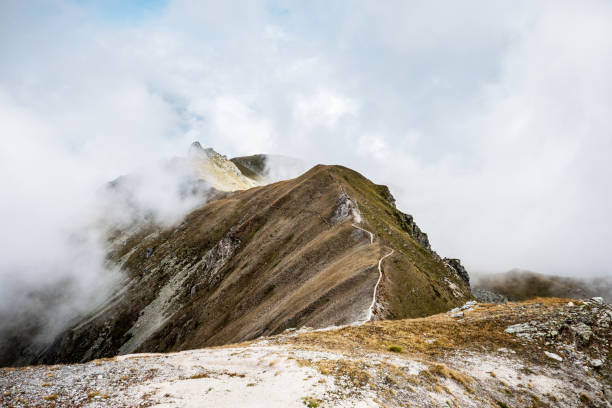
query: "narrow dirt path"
365, 230
371, 308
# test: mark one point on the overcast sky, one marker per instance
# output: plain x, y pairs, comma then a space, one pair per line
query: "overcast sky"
491, 122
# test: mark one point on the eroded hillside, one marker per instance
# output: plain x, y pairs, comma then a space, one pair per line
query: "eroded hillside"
301, 252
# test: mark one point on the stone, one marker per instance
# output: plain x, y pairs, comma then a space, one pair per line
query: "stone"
519, 328
582, 332
488, 296
597, 299
468, 305
596, 362
553, 356
456, 314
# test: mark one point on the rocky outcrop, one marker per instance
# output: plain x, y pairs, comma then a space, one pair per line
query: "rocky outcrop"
215, 259
408, 225
218, 170
488, 296
455, 265
580, 333
345, 207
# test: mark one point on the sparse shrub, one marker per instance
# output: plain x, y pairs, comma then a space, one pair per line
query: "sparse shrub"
199, 375
395, 349
51, 397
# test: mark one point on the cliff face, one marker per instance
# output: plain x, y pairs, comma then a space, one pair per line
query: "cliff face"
301, 252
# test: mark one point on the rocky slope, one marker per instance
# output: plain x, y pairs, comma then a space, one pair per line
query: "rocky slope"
222, 173
257, 261
542, 353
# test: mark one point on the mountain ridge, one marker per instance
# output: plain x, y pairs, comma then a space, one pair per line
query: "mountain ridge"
284, 254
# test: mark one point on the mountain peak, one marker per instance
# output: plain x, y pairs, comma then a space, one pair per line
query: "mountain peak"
217, 170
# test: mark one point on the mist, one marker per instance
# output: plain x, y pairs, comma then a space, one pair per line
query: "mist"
489, 122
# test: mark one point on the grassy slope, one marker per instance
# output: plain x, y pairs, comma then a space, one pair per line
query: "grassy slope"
413, 285
292, 268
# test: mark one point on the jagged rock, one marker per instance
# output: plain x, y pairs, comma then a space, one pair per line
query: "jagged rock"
345, 206
456, 267
218, 170
386, 193
488, 296
408, 225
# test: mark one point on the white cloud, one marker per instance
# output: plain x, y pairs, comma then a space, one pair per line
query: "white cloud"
322, 108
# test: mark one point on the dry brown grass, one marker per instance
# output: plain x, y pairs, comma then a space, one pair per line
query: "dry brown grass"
483, 327
199, 375
442, 370
355, 371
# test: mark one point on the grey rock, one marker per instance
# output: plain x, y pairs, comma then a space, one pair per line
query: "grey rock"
345, 206
582, 332
408, 225
596, 362
488, 296
521, 329
554, 356
455, 265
